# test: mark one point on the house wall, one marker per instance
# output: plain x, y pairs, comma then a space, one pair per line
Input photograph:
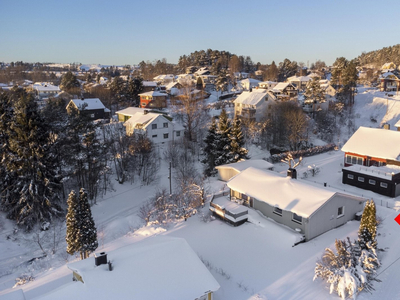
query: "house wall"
286, 218
391, 190
157, 135
326, 217
154, 102
367, 161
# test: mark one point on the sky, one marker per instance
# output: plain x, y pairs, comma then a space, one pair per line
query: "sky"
121, 32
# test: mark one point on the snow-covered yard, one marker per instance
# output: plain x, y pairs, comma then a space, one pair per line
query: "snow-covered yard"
254, 261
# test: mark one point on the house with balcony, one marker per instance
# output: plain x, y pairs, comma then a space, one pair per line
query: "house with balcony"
304, 207
284, 91
372, 161
253, 105
158, 128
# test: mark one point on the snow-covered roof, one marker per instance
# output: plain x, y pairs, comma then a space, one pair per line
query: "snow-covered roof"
387, 75
142, 119
156, 268
130, 111
300, 79
280, 87
92, 103
14, 295
251, 98
45, 87
312, 75
243, 165
149, 83
397, 124
250, 80
164, 77
286, 193
374, 142
153, 94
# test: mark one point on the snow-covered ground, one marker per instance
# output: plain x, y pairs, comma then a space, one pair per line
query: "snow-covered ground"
254, 261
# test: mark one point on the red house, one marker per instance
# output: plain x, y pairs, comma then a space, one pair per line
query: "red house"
153, 99
372, 161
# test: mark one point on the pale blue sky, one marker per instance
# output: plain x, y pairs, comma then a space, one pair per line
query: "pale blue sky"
127, 32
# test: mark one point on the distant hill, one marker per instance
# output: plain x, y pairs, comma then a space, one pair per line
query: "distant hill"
380, 57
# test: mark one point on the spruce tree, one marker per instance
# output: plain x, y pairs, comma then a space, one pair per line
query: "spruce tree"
223, 145
210, 150
32, 191
72, 237
367, 229
87, 229
238, 152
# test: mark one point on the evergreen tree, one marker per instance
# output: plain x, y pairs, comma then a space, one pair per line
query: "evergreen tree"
367, 229
72, 237
70, 83
210, 149
135, 87
238, 152
87, 230
223, 144
314, 91
32, 191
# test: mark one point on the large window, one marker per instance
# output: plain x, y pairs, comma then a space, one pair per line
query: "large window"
297, 218
354, 160
153, 126
278, 211
165, 135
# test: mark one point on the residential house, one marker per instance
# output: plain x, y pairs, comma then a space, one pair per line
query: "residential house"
206, 82
158, 128
284, 91
249, 84
389, 82
300, 82
268, 85
372, 161
125, 114
45, 90
300, 205
252, 105
91, 107
259, 74
149, 86
174, 88
241, 75
164, 79
226, 172
159, 267
153, 99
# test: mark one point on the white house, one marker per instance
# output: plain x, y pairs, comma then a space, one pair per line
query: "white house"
252, 105
268, 85
249, 83
300, 82
164, 78
155, 268
155, 126
45, 89
298, 204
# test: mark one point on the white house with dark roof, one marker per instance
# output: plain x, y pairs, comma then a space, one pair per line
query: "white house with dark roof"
372, 160
155, 126
155, 268
300, 205
93, 107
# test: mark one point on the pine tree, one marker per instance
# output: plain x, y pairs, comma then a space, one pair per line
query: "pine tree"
210, 149
32, 191
135, 87
238, 152
70, 83
223, 144
72, 237
87, 230
367, 229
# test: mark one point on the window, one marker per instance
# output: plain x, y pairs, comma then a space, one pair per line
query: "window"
340, 211
178, 133
165, 125
361, 179
350, 176
154, 136
278, 211
384, 185
371, 181
165, 135
92, 115
153, 126
297, 219
143, 104
354, 160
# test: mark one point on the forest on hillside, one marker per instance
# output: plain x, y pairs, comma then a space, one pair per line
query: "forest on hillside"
381, 56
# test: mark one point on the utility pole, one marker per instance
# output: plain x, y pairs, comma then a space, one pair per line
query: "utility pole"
169, 177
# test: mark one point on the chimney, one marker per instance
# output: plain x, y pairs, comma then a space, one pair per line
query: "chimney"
100, 258
292, 173
386, 126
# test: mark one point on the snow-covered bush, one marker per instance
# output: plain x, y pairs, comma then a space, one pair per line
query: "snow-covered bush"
313, 170
350, 270
308, 152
